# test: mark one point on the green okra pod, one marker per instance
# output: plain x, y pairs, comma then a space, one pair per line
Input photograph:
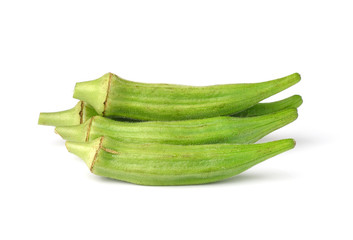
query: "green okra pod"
163, 164
112, 96
197, 131
266, 108
82, 111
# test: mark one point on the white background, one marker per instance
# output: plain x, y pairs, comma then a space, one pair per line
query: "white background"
47, 46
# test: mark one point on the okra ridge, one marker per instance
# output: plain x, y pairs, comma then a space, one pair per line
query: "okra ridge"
96, 154
89, 128
113, 96
81, 112
108, 90
100, 147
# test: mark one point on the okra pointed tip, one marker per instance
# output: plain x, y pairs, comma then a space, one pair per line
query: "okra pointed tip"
293, 78
283, 144
289, 143
297, 100
297, 75
260, 126
297, 96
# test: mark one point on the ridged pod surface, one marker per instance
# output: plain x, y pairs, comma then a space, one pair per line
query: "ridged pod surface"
266, 108
82, 111
162, 164
112, 96
197, 131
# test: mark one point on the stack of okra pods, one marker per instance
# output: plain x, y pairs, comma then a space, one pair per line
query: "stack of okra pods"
163, 134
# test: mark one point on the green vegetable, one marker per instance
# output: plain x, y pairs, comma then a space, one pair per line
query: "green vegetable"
266, 108
112, 96
197, 131
82, 111
76, 115
162, 164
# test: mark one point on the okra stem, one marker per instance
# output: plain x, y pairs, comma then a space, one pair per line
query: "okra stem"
74, 116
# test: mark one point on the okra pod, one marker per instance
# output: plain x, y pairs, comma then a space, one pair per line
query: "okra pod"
163, 164
112, 96
266, 108
82, 111
196, 131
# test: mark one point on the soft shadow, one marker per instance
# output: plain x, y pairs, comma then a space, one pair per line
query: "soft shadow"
116, 181
239, 179
302, 141
58, 142
244, 178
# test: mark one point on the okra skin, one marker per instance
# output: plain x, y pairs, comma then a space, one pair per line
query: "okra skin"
163, 164
82, 111
74, 116
112, 96
266, 108
197, 131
